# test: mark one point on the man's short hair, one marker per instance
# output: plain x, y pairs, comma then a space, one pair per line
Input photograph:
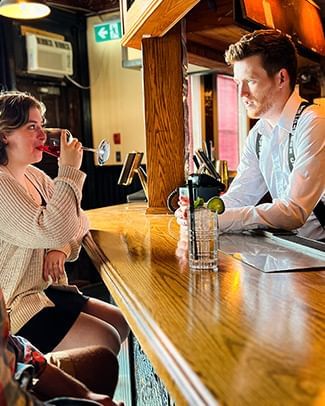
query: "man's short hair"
276, 49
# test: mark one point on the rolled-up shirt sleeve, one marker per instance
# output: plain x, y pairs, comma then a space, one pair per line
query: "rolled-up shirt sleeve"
291, 208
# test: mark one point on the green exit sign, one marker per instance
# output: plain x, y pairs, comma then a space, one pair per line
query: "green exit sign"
108, 31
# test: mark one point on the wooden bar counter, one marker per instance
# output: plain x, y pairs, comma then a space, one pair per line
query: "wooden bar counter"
235, 337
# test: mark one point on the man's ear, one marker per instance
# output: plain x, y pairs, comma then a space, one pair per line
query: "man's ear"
283, 77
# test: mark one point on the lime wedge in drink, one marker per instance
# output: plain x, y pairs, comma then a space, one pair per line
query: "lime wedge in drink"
216, 204
198, 202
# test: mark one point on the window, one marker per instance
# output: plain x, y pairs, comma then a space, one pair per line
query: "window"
217, 118
227, 121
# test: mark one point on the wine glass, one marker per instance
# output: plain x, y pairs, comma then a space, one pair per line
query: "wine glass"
52, 145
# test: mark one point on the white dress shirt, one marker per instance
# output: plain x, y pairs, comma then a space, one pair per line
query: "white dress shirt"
294, 194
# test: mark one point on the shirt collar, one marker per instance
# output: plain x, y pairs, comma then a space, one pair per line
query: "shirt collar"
286, 118
289, 112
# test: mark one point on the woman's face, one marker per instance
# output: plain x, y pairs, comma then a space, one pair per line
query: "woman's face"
23, 143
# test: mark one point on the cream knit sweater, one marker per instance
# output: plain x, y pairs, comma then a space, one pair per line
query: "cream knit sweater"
27, 231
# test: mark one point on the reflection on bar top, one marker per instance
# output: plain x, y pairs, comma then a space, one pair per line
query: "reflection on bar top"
270, 255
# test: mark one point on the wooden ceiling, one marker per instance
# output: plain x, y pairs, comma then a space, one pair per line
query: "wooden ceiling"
86, 6
212, 25
100, 6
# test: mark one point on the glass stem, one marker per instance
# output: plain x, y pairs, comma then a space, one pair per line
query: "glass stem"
89, 149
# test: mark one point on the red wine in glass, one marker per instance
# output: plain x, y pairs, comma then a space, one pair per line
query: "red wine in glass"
52, 145
51, 150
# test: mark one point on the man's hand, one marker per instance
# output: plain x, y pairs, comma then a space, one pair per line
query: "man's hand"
182, 211
53, 265
182, 248
181, 215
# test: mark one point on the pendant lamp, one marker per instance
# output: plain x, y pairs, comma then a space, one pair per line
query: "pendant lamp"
24, 9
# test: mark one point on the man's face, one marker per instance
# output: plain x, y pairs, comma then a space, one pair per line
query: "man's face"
257, 90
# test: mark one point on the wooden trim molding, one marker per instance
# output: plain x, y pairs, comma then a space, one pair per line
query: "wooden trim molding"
152, 18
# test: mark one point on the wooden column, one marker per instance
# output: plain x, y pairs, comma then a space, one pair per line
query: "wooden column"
163, 79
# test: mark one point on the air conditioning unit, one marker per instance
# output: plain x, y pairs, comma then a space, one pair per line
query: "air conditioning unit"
48, 56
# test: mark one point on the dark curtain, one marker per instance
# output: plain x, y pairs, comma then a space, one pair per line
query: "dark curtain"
7, 68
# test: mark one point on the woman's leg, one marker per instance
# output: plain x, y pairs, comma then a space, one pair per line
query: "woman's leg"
108, 313
95, 366
90, 330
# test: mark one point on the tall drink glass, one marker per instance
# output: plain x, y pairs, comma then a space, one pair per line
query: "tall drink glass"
203, 240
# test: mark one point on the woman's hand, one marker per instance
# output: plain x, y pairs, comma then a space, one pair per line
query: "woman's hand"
54, 265
70, 152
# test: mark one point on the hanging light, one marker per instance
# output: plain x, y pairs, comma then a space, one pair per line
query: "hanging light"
24, 9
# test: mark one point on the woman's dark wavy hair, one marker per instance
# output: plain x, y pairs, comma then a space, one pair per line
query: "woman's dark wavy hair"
14, 113
275, 48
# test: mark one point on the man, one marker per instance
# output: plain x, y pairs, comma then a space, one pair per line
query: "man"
285, 151
19, 360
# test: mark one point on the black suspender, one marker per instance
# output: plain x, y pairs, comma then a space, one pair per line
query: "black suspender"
291, 154
258, 145
319, 210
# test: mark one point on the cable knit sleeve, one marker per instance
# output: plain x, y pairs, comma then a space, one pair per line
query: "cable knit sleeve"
72, 249
25, 224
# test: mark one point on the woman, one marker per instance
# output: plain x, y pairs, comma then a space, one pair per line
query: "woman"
41, 226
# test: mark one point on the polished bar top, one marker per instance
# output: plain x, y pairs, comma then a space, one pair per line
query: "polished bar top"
238, 336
